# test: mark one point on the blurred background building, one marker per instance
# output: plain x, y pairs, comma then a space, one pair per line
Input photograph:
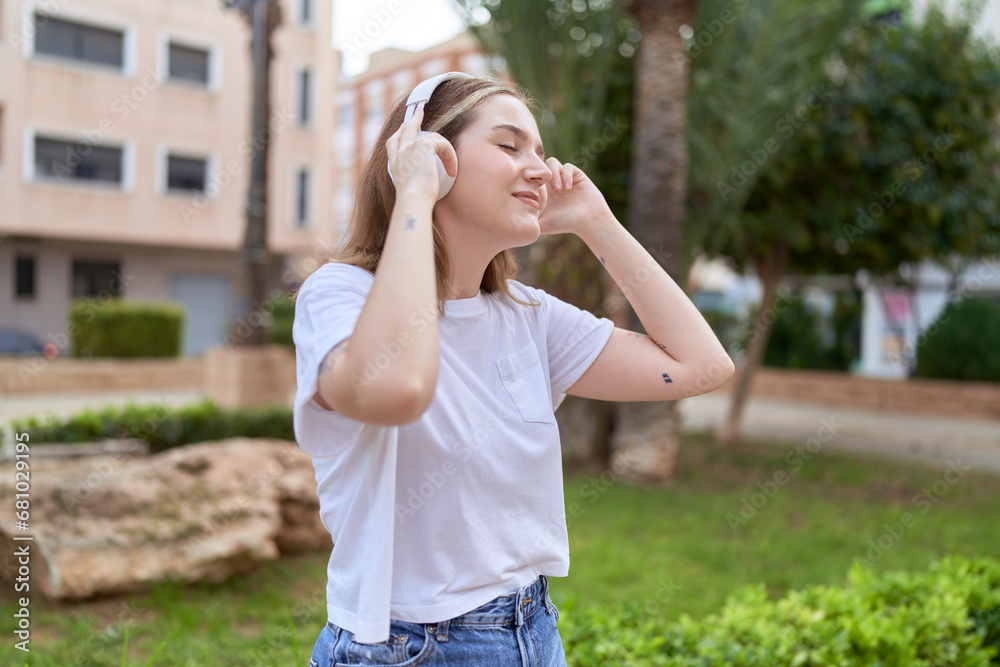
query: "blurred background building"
125, 153
124, 160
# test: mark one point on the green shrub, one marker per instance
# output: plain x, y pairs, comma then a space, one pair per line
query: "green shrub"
724, 325
949, 615
162, 427
961, 344
283, 316
795, 338
125, 328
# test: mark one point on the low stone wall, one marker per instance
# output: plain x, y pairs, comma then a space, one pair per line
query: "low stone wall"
32, 375
979, 400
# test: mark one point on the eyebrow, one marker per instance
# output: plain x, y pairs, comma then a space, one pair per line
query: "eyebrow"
520, 134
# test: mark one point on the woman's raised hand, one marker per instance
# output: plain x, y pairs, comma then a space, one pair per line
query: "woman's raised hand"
411, 157
574, 202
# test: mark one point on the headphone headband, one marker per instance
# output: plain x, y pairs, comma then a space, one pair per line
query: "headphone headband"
422, 93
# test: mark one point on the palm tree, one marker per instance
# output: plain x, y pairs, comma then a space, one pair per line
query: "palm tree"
576, 62
646, 434
264, 17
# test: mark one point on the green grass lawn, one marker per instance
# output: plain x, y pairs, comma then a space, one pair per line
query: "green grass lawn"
671, 550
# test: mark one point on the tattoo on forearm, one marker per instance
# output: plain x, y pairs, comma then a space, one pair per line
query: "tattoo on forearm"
666, 378
331, 358
603, 262
409, 222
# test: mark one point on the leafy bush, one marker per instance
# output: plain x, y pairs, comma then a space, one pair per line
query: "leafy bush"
724, 325
796, 337
949, 615
162, 427
283, 316
121, 328
961, 344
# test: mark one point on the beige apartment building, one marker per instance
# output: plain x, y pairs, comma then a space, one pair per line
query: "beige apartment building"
364, 100
125, 154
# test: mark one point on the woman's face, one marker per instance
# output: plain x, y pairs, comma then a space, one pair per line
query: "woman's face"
500, 187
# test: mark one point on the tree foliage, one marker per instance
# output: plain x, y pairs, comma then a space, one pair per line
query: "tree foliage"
899, 164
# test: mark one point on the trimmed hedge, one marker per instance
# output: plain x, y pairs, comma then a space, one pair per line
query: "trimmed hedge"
283, 316
961, 344
161, 426
949, 615
125, 328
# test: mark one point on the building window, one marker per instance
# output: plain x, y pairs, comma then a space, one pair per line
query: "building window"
305, 12
60, 159
96, 278
345, 115
25, 278
305, 96
186, 174
79, 41
303, 184
187, 63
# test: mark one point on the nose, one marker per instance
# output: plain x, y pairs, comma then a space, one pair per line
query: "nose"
537, 170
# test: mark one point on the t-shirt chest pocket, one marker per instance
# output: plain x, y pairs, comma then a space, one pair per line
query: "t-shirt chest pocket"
523, 378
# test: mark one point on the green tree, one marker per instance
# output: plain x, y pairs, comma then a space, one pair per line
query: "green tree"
576, 60
892, 168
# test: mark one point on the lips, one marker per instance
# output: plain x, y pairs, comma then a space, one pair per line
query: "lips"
529, 198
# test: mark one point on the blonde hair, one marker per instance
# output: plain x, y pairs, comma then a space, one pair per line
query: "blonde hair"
451, 109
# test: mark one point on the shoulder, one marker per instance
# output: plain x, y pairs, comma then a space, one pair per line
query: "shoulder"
337, 274
526, 292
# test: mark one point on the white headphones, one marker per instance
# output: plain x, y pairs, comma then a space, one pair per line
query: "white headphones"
420, 95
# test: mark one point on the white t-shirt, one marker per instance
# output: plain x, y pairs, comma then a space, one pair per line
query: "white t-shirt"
436, 517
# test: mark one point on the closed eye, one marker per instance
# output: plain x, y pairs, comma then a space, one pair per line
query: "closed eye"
512, 149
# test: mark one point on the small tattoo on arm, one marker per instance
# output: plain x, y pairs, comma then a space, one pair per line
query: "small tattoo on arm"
603, 262
329, 359
666, 378
409, 223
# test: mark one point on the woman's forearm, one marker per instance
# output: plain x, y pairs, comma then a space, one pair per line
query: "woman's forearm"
670, 318
395, 341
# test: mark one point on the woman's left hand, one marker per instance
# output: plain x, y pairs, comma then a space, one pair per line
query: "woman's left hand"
574, 202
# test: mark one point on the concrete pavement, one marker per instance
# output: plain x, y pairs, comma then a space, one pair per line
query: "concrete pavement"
908, 436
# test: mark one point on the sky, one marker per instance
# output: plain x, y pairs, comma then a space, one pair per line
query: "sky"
405, 24
362, 27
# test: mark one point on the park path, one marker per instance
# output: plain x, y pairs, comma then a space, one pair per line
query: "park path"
918, 437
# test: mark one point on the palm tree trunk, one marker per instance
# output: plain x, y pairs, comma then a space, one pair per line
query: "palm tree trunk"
645, 439
770, 270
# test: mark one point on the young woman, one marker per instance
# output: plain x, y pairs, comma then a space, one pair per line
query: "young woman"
428, 377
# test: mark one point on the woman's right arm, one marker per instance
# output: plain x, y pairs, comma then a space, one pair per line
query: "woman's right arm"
399, 321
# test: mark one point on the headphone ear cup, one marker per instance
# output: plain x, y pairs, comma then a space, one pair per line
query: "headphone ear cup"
444, 180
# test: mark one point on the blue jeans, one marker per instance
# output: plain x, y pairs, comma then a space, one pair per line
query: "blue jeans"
513, 630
